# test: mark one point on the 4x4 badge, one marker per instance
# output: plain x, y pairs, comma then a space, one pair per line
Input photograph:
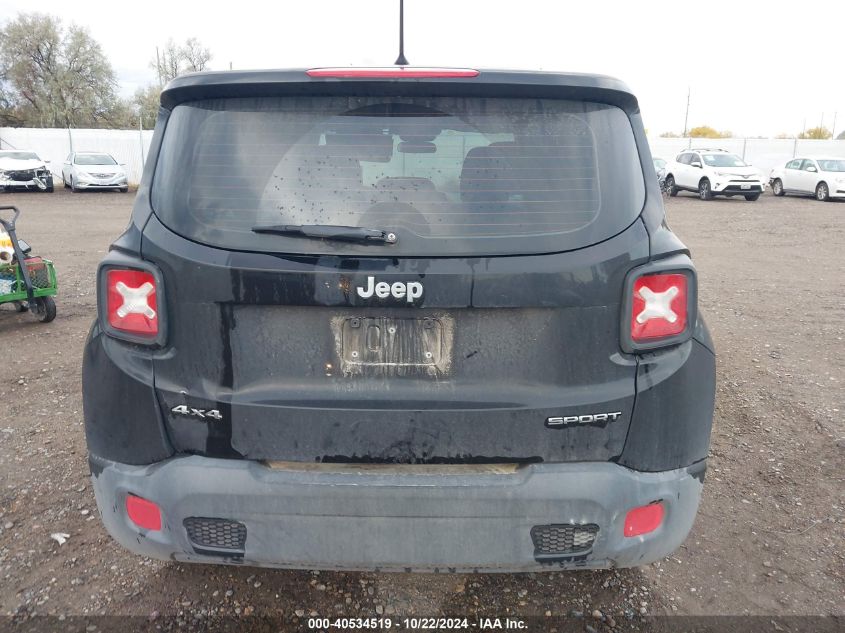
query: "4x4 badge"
592, 418
202, 414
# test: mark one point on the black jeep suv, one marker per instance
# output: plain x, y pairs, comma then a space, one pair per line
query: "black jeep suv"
402, 318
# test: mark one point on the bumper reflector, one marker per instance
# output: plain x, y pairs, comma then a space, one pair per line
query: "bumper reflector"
145, 514
644, 519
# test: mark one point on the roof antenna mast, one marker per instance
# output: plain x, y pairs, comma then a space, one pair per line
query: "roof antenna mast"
401, 61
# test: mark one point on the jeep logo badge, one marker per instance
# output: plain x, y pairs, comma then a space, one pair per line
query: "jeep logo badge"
398, 290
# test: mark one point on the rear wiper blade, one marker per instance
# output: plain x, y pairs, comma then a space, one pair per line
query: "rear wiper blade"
329, 232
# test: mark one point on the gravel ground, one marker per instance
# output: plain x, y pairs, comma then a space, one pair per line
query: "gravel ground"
768, 539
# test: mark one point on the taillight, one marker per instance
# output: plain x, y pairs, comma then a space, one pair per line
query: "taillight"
143, 513
132, 302
659, 306
394, 72
644, 519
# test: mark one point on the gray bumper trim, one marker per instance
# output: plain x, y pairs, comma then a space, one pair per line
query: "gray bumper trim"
361, 518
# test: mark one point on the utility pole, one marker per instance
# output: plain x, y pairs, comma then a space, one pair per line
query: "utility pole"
833, 127
158, 69
686, 116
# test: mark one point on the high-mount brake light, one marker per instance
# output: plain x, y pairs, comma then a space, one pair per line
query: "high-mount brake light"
131, 302
395, 72
659, 306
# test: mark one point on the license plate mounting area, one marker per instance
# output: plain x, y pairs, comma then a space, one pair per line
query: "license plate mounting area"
401, 345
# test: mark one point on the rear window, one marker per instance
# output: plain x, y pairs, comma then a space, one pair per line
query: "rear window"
447, 175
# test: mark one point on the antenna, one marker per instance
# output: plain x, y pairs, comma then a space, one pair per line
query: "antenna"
401, 61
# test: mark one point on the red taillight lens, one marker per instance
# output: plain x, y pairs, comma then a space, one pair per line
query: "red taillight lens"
131, 304
659, 306
398, 72
145, 514
644, 519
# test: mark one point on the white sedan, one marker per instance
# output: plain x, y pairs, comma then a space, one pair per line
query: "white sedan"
820, 177
93, 170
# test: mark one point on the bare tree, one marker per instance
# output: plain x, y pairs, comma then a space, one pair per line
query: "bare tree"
195, 55
168, 62
173, 59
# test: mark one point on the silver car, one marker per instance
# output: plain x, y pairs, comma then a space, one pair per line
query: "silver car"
93, 170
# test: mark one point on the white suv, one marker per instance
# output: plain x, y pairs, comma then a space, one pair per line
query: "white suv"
713, 172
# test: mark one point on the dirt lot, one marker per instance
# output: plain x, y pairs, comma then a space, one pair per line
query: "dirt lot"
768, 538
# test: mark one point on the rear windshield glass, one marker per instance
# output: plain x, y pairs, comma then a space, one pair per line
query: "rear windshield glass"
448, 176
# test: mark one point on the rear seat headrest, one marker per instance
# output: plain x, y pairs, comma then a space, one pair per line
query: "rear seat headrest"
484, 174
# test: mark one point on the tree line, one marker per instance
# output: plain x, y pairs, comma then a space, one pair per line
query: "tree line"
52, 75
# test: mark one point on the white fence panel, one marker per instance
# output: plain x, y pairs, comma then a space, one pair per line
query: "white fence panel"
55, 144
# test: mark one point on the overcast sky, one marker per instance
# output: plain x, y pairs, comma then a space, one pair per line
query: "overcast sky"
755, 68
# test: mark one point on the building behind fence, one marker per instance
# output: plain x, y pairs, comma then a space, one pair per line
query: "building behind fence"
130, 147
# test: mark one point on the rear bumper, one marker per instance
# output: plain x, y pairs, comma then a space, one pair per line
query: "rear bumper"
389, 518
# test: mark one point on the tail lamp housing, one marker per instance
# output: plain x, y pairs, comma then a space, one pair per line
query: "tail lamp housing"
131, 302
660, 305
